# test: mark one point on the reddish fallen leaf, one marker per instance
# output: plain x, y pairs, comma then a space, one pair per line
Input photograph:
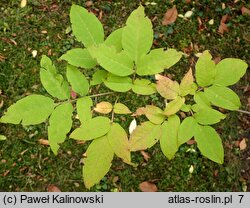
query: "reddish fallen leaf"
190, 142
6, 173
243, 144
148, 187
223, 27
217, 60
73, 94
188, 1
53, 188
245, 11
170, 16
145, 155
89, 3
43, 142
216, 173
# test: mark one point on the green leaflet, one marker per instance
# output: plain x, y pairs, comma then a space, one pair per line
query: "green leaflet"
169, 136
118, 140
144, 136
209, 143
60, 123
157, 60
185, 108
92, 129
186, 130
174, 106
77, 80
118, 84
223, 97
53, 82
187, 84
205, 70
115, 39
143, 87
229, 71
119, 64
98, 77
120, 108
85, 26
201, 99
31, 110
83, 106
98, 161
154, 114
137, 36
79, 57
2, 137
208, 116
167, 88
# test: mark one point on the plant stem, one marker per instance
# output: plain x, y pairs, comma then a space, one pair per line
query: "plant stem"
101, 94
243, 111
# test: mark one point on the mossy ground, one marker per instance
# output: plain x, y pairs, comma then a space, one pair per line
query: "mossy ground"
43, 25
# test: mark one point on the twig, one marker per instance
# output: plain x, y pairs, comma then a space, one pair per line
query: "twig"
243, 111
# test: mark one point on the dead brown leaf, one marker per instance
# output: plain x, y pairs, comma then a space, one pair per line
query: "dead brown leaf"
170, 16
243, 144
190, 142
43, 142
217, 59
53, 188
145, 155
89, 3
245, 11
223, 27
148, 187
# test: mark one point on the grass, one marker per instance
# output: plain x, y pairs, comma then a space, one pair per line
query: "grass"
25, 165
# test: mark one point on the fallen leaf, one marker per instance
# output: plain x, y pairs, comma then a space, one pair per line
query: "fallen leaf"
23, 3
145, 155
132, 126
53, 188
170, 16
188, 14
243, 144
34, 53
190, 142
191, 169
188, 1
103, 107
6, 173
245, 11
223, 27
89, 3
148, 187
217, 59
43, 142
139, 111
73, 94
211, 22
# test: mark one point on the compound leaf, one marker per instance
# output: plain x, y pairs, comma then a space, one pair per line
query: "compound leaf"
169, 136
77, 80
119, 64
144, 136
118, 84
143, 87
53, 82
186, 130
98, 77
229, 71
92, 129
98, 162
118, 140
167, 88
157, 60
83, 106
79, 57
85, 26
205, 70
137, 35
31, 110
115, 39
60, 123
223, 97
209, 143
208, 116
174, 106
120, 108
